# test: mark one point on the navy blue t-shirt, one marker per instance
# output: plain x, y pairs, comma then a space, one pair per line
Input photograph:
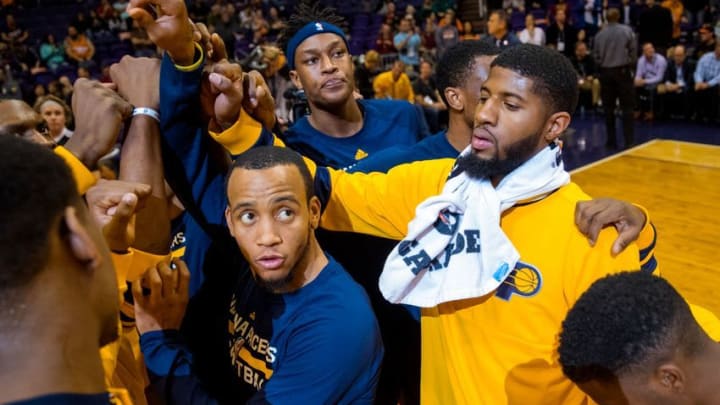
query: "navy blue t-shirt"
319, 344
432, 147
386, 123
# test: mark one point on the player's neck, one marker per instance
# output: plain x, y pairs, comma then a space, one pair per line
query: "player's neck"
309, 267
458, 133
49, 351
344, 121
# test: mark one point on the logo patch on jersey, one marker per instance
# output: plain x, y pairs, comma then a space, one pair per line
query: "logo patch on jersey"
525, 280
360, 154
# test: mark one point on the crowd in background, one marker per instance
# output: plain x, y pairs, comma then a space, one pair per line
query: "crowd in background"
38, 63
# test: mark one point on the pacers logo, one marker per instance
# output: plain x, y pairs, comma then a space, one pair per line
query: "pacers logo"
525, 280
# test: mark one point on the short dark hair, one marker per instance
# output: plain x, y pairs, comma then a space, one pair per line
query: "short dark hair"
266, 157
625, 322
502, 15
36, 188
306, 12
553, 76
613, 15
458, 62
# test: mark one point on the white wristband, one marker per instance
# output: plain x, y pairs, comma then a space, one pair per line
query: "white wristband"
146, 111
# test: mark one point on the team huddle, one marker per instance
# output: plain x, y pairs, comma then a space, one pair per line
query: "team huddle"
225, 266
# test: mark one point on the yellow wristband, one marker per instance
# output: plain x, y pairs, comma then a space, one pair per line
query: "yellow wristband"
195, 64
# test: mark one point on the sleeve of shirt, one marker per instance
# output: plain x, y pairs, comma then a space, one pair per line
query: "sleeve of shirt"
329, 355
397, 41
589, 264
646, 245
84, 179
379, 204
169, 366
707, 321
715, 80
191, 170
640, 69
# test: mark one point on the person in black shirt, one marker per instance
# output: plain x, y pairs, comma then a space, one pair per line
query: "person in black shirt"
561, 35
428, 96
366, 72
588, 81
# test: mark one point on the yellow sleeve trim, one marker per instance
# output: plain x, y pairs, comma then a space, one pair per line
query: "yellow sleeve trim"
122, 263
142, 261
241, 136
196, 64
83, 177
707, 321
647, 234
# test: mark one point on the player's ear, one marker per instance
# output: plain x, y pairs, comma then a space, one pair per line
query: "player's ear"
314, 207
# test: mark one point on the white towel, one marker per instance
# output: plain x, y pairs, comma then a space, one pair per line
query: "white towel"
448, 255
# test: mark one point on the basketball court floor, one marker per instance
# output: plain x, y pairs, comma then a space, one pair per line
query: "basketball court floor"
679, 183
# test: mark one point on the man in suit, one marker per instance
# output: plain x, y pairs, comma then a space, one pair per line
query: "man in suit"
678, 84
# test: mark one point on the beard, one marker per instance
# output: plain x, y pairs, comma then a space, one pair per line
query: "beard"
515, 155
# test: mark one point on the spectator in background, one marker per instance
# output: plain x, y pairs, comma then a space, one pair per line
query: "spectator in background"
80, 22
228, 26
655, 25
39, 91
57, 116
407, 42
705, 42
468, 32
428, 35
394, 84
590, 18
676, 12
83, 72
391, 16
78, 47
707, 83
52, 55
649, 73
117, 25
678, 85
13, 35
561, 35
532, 34
630, 12
366, 72
696, 11
498, 31
446, 35
384, 44
276, 23
104, 10
588, 81
615, 52
451, 18
428, 97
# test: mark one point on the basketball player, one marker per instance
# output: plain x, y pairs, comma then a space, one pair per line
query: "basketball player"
647, 347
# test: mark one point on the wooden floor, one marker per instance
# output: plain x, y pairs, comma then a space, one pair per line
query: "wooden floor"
679, 183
